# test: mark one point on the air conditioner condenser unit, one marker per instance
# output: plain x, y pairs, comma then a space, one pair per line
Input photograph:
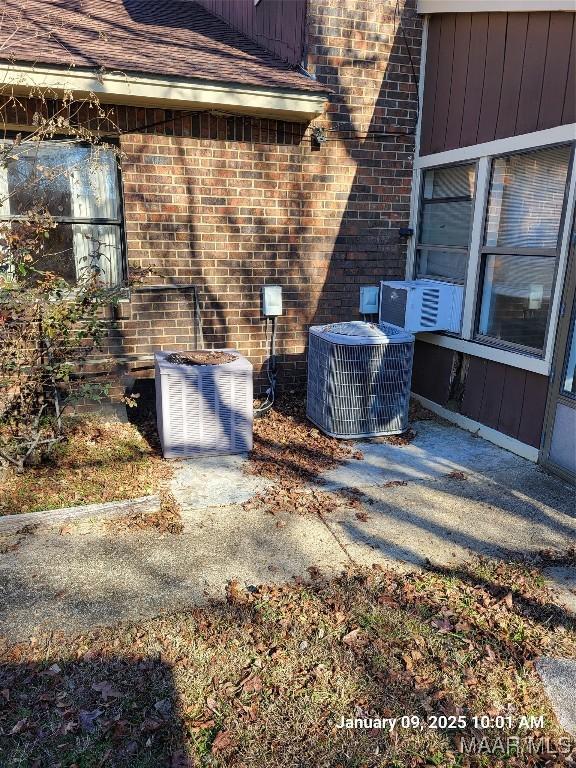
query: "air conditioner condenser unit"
421, 305
359, 379
203, 402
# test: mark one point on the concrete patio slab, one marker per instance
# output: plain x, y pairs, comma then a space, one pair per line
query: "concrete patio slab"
563, 582
214, 480
91, 577
559, 679
438, 449
446, 520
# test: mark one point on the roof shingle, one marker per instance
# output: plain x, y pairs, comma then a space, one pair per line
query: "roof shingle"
176, 38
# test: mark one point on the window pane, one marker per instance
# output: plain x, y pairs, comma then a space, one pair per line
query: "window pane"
72, 249
59, 254
442, 264
569, 381
69, 180
446, 220
526, 197
446, 223
455, 181
516, 298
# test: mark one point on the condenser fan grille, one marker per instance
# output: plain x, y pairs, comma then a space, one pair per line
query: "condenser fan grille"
359, 390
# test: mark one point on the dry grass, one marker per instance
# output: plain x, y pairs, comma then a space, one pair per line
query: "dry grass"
263, 679
99, 462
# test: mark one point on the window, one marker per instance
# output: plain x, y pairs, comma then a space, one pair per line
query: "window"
446, 221
521, 242
569, 374
78, 185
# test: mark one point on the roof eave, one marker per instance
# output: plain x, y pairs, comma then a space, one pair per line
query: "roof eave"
139, 89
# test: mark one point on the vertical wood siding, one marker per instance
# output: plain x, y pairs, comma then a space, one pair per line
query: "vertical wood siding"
504, 398
277, 25
494, 75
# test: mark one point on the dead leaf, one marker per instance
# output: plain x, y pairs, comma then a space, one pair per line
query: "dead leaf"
19, 727
456, 474
66, 529
201, 725
355, 638
443, 625
180, 759
106, 690
222, 741
87, 719
252, 684
236, 593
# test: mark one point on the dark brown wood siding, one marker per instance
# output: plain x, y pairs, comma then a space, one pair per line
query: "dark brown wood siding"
493, 75
277, 25
507, 399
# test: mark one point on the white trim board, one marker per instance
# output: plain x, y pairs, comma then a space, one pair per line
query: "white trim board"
149, 90
416, 173
558, 135
470, 6
487, 433
487, 352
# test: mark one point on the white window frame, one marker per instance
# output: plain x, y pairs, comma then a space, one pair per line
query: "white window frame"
482, 154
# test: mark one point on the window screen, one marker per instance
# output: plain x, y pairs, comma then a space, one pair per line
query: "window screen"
445, 223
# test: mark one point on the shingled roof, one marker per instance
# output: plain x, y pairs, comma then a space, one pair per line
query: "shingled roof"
175, 38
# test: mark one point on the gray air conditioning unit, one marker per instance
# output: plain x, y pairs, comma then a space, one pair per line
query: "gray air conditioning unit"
359, 379
203, 402
421, 305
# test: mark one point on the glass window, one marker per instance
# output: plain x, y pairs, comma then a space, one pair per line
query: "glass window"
521, 240
78, 185
526, 198
516, 298
569, 378
445, 223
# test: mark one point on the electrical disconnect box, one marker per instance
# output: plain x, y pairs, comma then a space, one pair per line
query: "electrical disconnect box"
369, 299
271, 300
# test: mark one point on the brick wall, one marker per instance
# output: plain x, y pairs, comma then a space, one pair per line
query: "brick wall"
228, 204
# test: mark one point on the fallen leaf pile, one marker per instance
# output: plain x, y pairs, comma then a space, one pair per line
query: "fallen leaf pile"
290, 497
287, 447
166, 520
404, 439
262, 679
289, 450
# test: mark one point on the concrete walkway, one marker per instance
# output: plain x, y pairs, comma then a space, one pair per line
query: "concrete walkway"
459, 495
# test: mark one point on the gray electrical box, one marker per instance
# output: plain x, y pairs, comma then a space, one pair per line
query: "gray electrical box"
271, 300
369, 295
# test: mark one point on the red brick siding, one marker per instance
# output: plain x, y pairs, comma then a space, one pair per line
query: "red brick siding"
229, 204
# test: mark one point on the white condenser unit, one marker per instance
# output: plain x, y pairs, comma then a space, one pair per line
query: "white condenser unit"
421, 305
359, 379
203, 408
